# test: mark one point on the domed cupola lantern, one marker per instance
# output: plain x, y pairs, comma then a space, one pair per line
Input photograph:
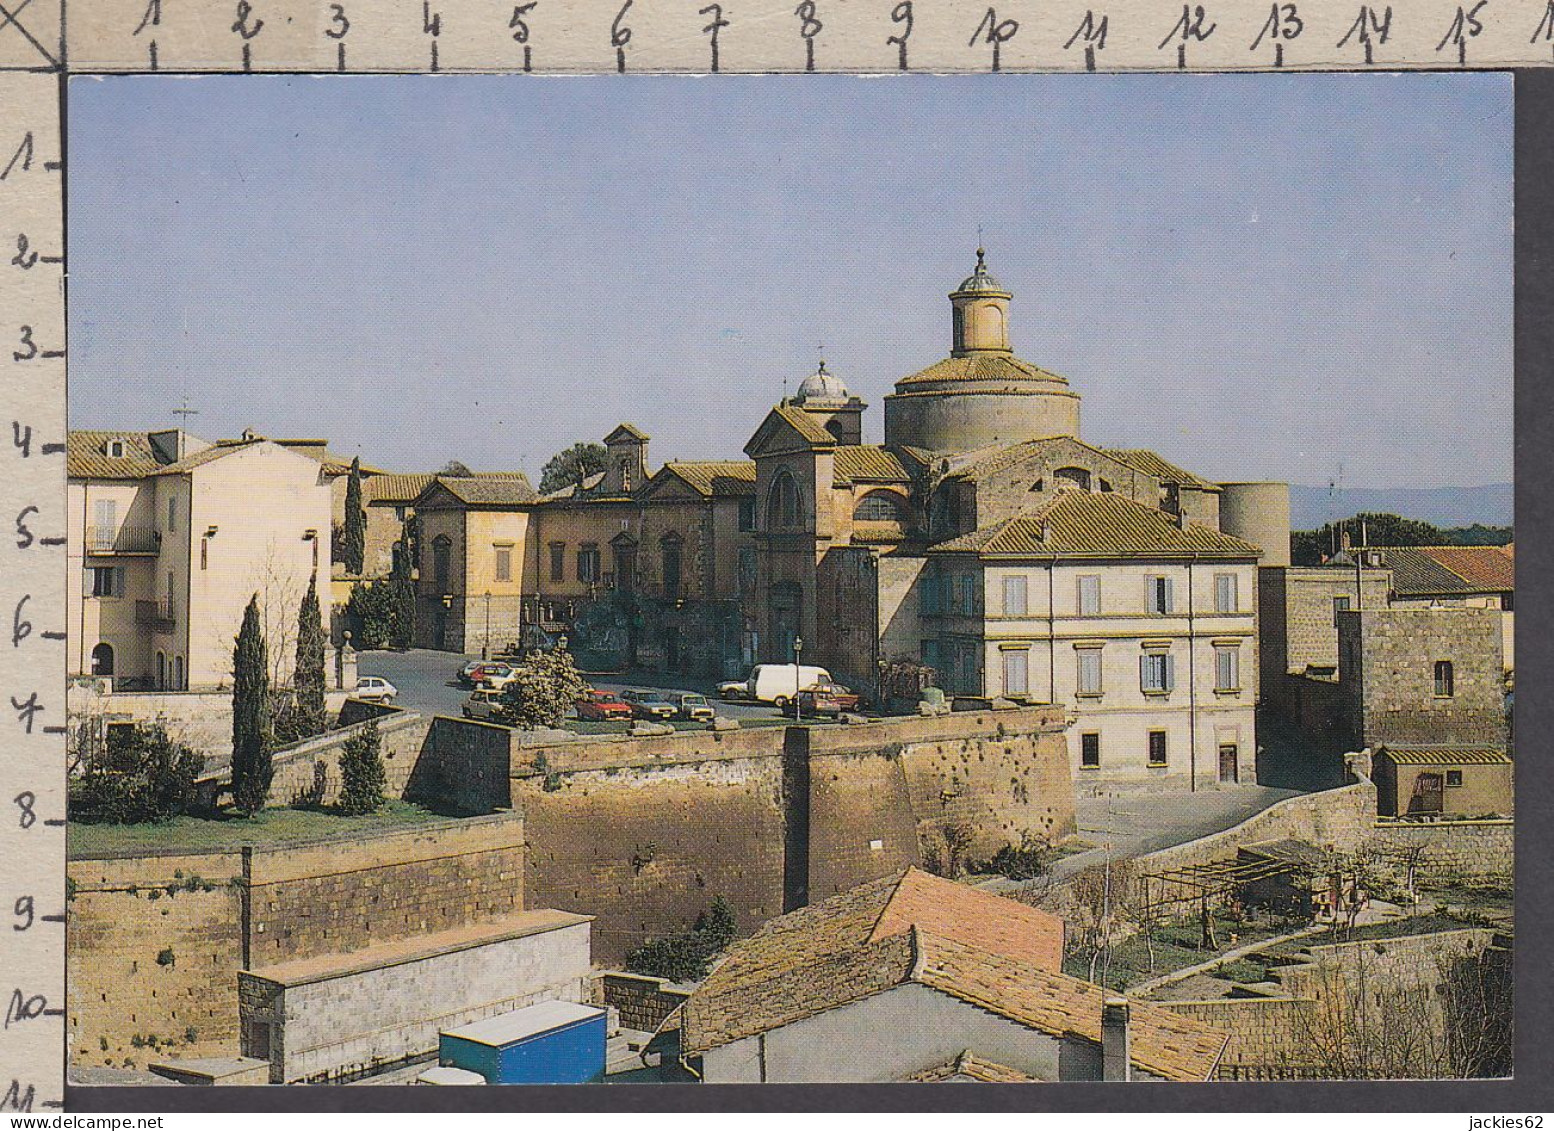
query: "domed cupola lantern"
980, 309
827, 396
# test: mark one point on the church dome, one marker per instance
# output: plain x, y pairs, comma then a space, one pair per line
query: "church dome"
822, 385
979, 281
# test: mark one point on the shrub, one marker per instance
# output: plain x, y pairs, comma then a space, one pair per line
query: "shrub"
1025, 861
141, 775
542, 690
362, 776
166, 957
686, 956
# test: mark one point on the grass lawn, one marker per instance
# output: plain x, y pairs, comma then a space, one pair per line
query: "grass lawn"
1176, 946
272, 826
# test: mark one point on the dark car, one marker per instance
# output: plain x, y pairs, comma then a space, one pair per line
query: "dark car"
649, 704
827, 699
602, 706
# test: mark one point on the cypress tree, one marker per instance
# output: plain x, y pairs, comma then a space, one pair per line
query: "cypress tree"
355, 536
402, 636
252, 731
362, 776
310, 680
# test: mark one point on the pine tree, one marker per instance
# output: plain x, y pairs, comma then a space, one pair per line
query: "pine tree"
355, 537
362, 777
252, 730
310, 680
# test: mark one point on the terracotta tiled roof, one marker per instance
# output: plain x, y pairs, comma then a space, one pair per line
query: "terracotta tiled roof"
1165, 1043
805, 424
1151, 463
989, 367
630, 430
86, 455
715, 477
1083, 523
394, 490
1416, 573
882, 935
210, 455
970, 1069
487, 490
1483, 567
868, 461
1446, 755
974, 917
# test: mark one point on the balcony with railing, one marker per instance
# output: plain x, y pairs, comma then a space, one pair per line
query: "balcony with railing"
157, 615
122, 540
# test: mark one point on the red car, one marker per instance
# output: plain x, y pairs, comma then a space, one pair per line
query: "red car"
827, 699
601, 706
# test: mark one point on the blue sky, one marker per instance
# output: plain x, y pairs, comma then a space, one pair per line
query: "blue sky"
1258, 276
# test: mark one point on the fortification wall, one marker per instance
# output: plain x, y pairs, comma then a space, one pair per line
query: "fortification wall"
1471, 852
156, 939
402, 734
153, 943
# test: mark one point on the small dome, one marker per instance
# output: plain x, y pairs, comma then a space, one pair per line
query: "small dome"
979, 280
822, 385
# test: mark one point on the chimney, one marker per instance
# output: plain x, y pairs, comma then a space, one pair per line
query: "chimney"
1116, 1063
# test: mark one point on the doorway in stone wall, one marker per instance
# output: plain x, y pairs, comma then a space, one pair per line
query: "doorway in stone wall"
1229, 770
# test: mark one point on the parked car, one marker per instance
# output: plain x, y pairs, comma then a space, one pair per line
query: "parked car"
691, 705
602, 706
491, 674
376, 688
482, 703
775, 683
827, 699
646, 704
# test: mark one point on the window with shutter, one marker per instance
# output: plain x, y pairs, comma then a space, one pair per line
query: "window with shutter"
1090, 595
1015, 593
1225, 595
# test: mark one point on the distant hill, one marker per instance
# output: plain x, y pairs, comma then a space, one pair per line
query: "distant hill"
1490, 505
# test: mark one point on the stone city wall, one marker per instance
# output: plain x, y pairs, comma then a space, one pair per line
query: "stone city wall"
640, 1002
157, 938
1469, 852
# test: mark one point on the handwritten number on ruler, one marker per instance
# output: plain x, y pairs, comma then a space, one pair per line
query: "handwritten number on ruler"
809, 27
620, 35
23, 155
25, 257
992, 31
21, 437
1465, 25
151, 19
1545, 28
1093, 32
717, 24
1282, 25
24, 802
520, 29
902, 14
1370, 29
244, 30
24, 911
431, 24
1194, 25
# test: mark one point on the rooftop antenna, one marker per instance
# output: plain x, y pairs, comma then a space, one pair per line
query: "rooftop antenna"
184, 412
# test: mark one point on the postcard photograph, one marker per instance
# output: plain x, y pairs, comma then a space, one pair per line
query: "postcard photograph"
981, 579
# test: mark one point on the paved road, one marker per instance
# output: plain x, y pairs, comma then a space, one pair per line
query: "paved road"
428, 681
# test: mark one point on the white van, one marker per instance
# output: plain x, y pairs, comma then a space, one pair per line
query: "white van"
778, 683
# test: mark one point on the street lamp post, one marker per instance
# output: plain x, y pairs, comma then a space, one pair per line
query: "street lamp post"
798, 650
485, 646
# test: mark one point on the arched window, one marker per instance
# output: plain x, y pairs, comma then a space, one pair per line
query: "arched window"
102, 659
161, 671
178, 684
784, 506
879, 506
1445, 680
442, 556
1071, 476
669, 547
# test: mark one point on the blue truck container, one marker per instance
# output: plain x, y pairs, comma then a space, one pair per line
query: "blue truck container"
555, 1042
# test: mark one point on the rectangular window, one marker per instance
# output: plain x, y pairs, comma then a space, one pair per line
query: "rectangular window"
1090, 751
1014, 596
1445, 680
107, 581
504, 563
588, 563
1017, 671
1159, 594
204, 553
1227, 669
930, 654
1090, 595
1453, 777
746, 569
1156, 674
1226, 599
558, 561
1157, 748
172, 513
747, 514
1339, 605
1089, 682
